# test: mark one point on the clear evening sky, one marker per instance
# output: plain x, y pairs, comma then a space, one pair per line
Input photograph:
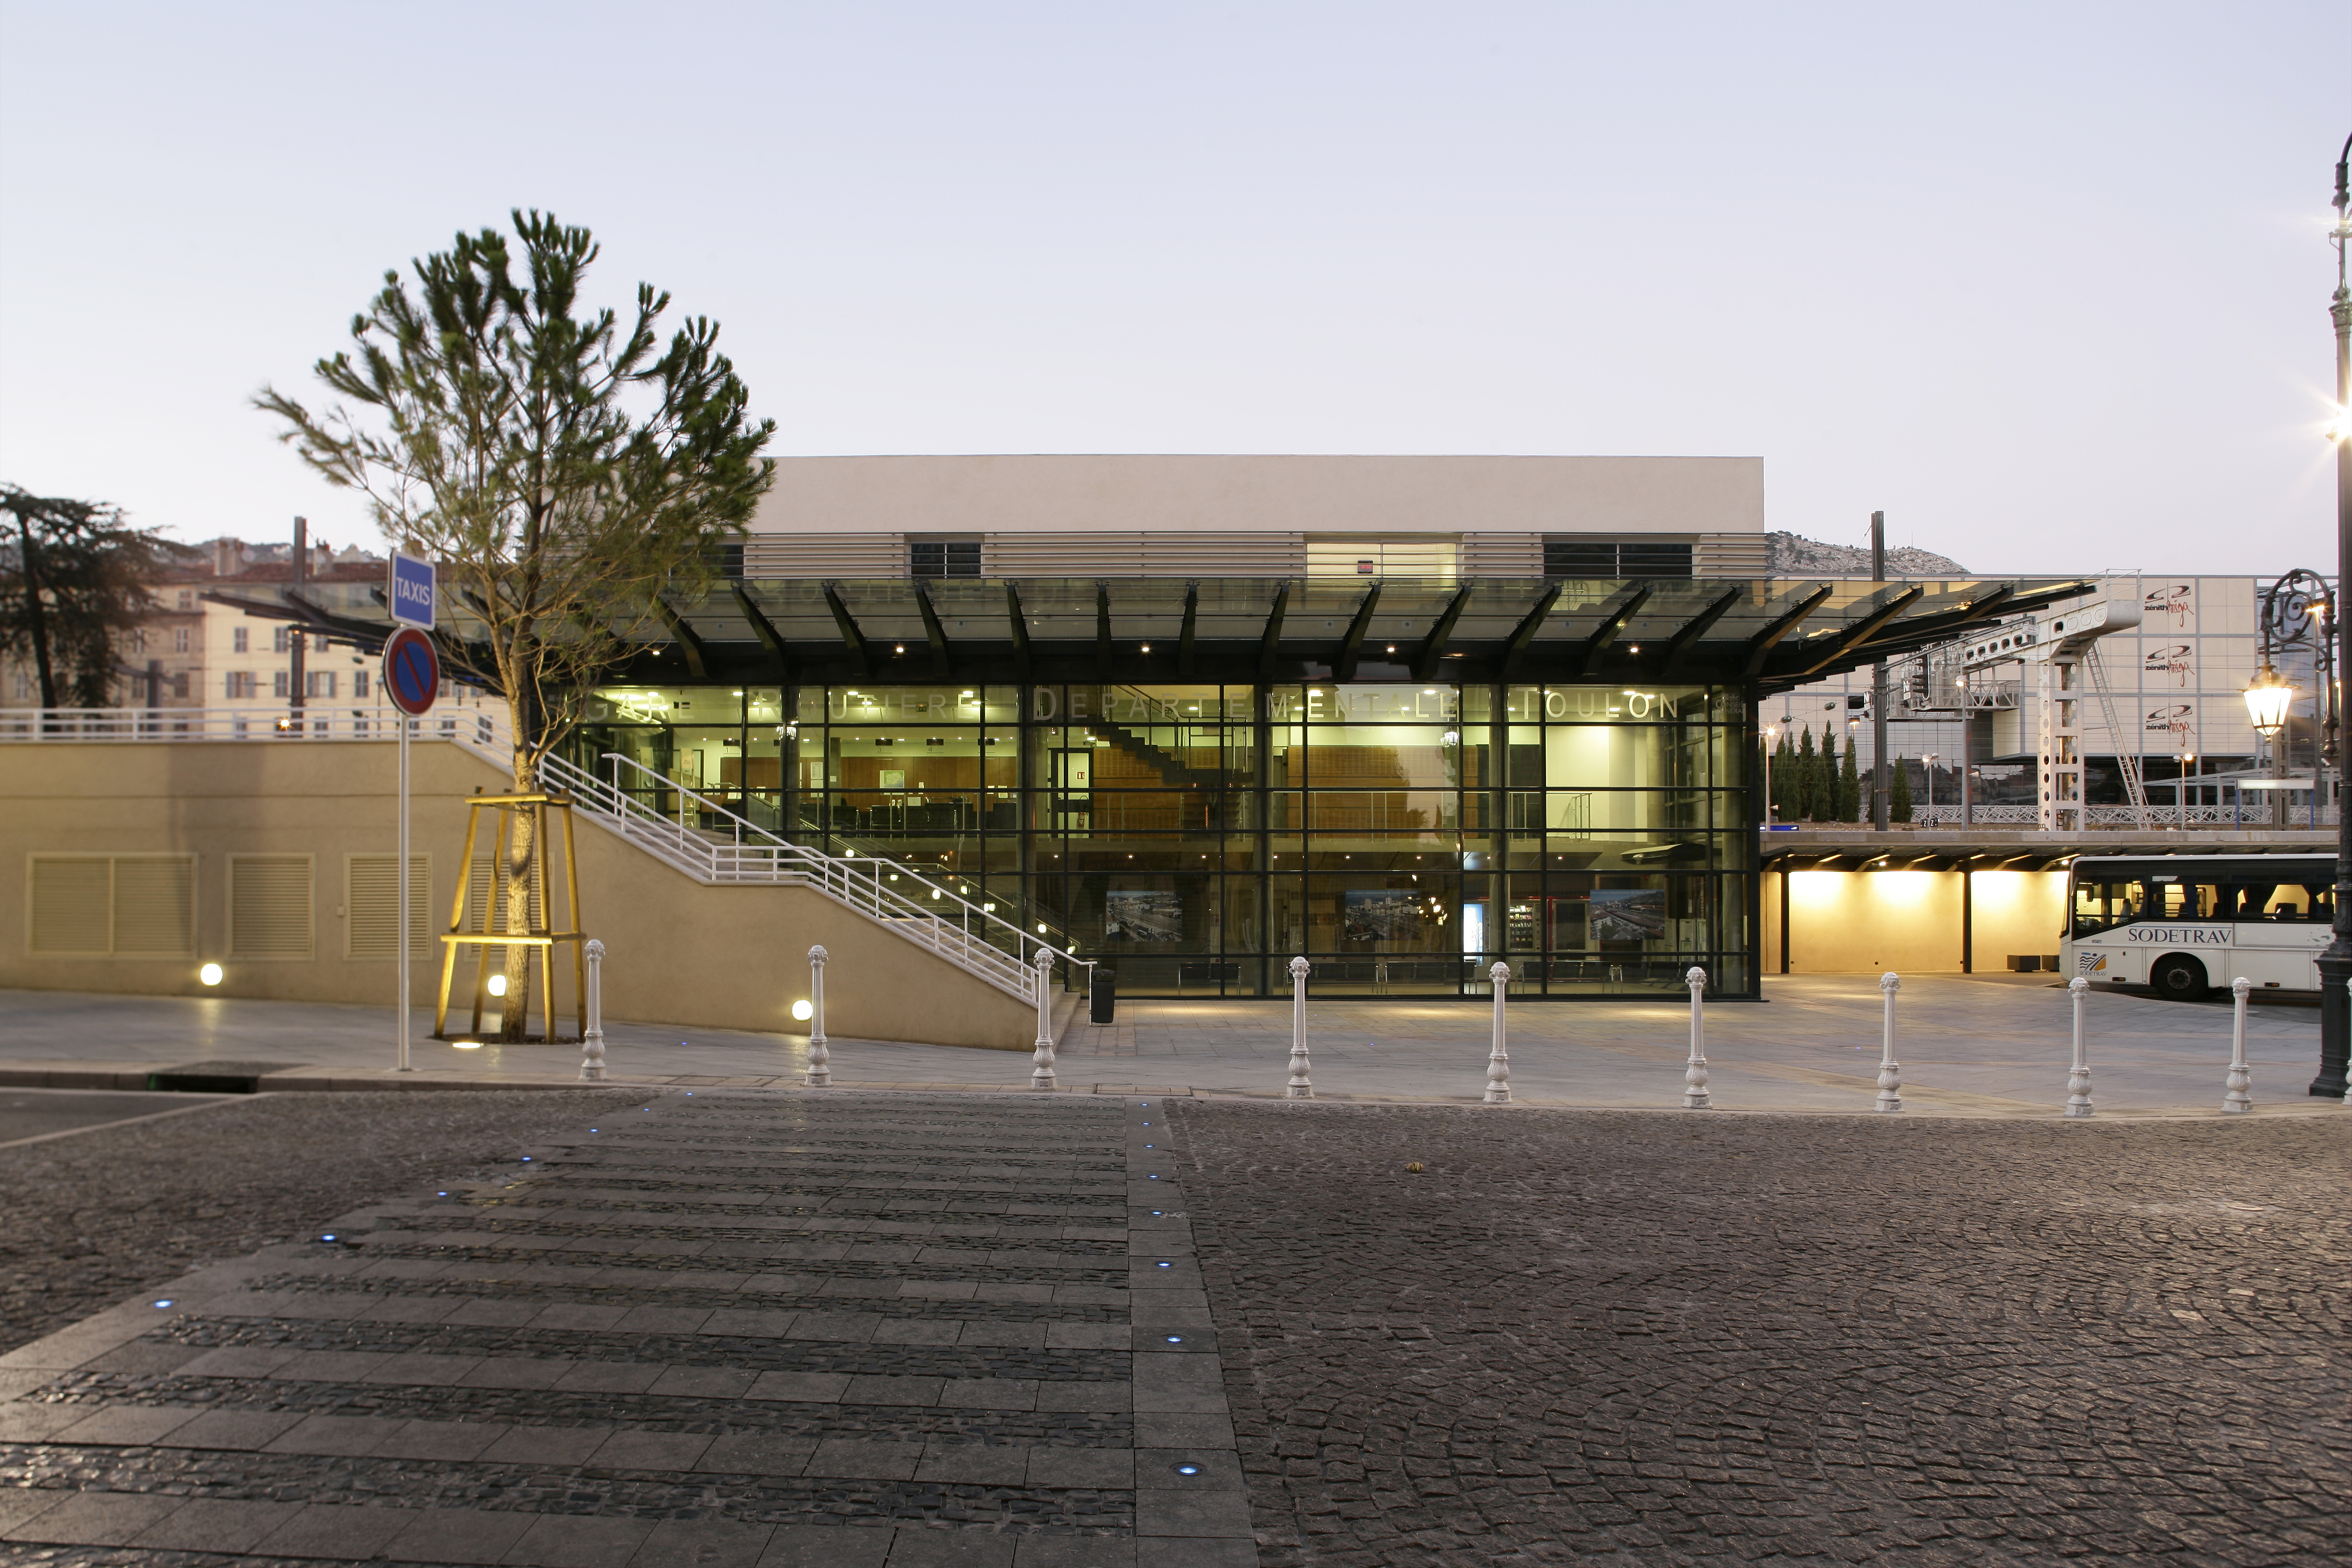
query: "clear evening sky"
2047, 283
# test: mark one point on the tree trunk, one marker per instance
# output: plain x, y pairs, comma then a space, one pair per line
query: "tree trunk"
521, 850
37, 613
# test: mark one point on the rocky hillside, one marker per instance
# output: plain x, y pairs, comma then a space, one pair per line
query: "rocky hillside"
1791, 555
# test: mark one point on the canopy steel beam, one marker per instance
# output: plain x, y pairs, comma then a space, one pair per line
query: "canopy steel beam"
851, 637
1516, 650
1184, 639
943, 656
1270, 645
1102, 629
1696, 628
765, 630
1859, 633
1351, 646
1607, 633
1432, 646
690, 642
1761, 645
1023, 664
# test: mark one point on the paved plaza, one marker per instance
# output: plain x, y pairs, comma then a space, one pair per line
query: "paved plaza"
843, 1332
1969, 1045
879, 1329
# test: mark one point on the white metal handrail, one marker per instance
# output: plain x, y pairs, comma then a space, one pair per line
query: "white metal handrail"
936, 917
481, 730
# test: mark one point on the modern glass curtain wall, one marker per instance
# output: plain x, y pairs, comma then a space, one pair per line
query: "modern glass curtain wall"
1402, 836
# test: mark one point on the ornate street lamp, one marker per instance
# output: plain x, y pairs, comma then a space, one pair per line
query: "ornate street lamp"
2336, 963
2268, 697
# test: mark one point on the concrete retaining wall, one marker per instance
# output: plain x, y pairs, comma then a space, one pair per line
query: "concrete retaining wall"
680, 952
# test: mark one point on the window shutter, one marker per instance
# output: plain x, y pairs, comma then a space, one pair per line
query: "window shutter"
126, 906
72, 904
371, 900
155, 906
269, 906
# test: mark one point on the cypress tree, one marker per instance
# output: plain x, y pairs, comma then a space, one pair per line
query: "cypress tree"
1801, 780
1898, 808
1784, 756
1849, 787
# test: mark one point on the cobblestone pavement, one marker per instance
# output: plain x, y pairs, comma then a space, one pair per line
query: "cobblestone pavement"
836, 1331
1617, 1337
97, 1216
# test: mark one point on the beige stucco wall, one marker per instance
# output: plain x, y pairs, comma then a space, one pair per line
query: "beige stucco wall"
1865, 922
679, 951
1354, 495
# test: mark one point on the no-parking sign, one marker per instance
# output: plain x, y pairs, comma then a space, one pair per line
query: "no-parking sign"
411, 671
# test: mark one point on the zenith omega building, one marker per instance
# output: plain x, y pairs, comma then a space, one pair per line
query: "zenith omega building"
1192, 716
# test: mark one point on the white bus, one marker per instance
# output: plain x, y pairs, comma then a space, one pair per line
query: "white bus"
2183, 924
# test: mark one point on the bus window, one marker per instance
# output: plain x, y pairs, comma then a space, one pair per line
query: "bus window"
2100, 906
2284, 902
2172, 898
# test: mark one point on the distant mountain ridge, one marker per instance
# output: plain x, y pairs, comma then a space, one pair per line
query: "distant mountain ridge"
1793, 555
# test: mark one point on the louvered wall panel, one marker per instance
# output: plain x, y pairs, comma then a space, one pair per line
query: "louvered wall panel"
1502, 554
846, 555
155, 906
269, 906
71, 905
1730, 555
1135, 554
371, 906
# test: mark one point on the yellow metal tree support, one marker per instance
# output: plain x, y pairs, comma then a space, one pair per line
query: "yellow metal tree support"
494, 932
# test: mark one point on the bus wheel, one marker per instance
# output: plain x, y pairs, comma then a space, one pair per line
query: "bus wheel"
2179, 979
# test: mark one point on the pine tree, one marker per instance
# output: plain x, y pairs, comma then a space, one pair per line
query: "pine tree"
1801, 780
1898, 808
1849, 787
563, 466
75, 579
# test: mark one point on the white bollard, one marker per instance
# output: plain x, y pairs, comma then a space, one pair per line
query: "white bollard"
592, 1038
1694, 1096
2078, 1082
1890, 1072
1498, 1060
2238, 1100
1041, 1075
1301, 1085
820, 1066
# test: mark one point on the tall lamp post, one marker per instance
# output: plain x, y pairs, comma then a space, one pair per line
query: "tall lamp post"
1771, 739
2336, 963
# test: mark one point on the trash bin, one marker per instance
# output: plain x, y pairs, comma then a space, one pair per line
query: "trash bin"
1102, 997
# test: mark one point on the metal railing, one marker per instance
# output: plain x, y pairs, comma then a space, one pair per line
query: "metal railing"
2255, 813
913, 906
479, 729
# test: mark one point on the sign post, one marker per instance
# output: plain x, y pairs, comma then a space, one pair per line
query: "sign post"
412, 678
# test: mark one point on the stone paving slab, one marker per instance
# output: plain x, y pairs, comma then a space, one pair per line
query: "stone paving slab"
417, 1384
1983, 1046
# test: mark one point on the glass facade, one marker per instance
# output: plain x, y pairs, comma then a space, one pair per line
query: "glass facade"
1402, 835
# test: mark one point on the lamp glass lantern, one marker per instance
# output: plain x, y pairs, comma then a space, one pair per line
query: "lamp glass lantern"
2267, 700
